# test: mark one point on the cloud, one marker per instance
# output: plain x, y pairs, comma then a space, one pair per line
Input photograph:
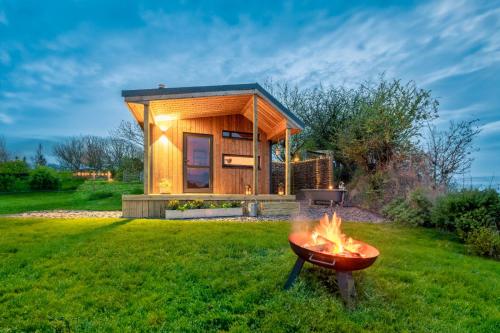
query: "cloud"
62, 82
5, 119
491, 128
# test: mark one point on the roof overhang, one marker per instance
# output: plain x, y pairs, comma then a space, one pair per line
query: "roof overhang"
195, 102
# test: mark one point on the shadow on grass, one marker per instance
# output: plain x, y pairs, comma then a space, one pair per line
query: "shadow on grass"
60, 245
316, 278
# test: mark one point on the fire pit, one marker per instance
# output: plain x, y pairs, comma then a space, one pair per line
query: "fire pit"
328, 247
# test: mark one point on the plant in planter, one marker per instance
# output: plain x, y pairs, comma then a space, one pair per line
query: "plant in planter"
165, 186
201, 209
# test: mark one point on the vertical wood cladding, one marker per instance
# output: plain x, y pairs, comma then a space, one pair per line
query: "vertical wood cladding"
167, 159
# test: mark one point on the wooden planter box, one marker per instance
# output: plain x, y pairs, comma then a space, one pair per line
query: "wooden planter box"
203, 213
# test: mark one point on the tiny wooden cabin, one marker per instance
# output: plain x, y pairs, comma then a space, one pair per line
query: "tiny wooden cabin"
210, 141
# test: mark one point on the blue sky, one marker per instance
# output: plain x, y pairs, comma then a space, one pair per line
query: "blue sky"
64, 63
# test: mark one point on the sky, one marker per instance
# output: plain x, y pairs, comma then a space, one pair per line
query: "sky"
63, 64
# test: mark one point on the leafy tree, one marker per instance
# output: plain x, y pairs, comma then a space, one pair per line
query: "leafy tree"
44, 178
39, 159
323, 110
385, 121
449, 151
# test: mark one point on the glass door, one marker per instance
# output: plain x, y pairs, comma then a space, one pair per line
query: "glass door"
198, 163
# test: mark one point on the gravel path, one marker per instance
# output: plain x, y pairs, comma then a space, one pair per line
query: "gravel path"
307, 213
76, 214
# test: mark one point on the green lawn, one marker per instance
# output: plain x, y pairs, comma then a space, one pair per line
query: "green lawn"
148, 275
81, 198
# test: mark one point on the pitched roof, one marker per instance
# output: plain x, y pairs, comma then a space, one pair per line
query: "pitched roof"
200, 90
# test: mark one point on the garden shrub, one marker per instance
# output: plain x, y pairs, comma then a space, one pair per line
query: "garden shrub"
44, 178
16, 167
457, 210
99, 195
472, 220
484, 241
7, 182
13, 176
415, 210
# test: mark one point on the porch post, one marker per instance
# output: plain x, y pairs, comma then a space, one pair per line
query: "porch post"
147, 160
255, 147
288, 178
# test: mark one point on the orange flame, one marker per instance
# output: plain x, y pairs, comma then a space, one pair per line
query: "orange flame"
329, 237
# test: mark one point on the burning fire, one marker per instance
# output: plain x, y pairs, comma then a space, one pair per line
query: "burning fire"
328, 237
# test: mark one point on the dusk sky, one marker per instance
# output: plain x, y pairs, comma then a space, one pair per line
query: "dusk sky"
64, 63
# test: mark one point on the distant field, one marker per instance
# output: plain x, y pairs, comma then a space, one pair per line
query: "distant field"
123, 275
98, 195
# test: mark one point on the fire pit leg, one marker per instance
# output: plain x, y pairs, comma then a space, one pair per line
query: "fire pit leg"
347, 289
294, 273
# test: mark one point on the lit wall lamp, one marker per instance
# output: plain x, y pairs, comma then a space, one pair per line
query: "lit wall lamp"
248, 189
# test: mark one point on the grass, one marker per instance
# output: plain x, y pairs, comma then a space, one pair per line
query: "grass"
90, 195
152, 275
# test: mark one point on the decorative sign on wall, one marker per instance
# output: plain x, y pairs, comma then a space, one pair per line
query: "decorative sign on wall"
237, 161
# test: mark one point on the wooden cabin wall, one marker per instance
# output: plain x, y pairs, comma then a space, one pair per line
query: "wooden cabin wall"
167, 149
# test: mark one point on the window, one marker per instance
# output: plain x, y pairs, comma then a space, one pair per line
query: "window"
238, 135
238, 161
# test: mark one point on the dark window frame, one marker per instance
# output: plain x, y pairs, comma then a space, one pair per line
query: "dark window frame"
185, 165
236, 166
230, 135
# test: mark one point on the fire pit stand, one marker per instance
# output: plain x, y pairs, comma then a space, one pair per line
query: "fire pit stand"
343, 264
345, 281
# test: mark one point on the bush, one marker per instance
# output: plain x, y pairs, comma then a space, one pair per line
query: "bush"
44, 178
475, 219
457, 210
17, 167
415, 210
7, 183
99, 195
484, 241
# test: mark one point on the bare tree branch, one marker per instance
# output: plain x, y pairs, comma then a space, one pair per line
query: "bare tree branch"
450, 151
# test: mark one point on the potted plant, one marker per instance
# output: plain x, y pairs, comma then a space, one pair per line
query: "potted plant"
165, 186
201, 209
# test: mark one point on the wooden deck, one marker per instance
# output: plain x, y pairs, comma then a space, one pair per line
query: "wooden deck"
153, 205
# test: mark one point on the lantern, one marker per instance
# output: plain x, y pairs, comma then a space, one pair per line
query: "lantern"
281, 189
248, 189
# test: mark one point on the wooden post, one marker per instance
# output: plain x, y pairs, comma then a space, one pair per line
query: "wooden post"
147, 160
288, 171
255, 147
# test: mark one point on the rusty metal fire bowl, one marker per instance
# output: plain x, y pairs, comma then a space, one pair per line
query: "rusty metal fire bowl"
343, 263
